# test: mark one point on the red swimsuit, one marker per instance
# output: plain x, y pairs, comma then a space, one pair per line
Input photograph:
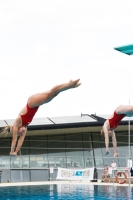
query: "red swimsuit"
115, 120
27, 118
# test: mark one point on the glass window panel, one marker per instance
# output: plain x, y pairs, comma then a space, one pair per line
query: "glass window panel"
123, 151
6, 142
40, 137
74, 137
4, 161
131, 147
20, 175
56, 152
38, 161
25, 161
121, 138
52, 161
97, 152
26, 143
121, 144
125, 133
87, 145
56, 144
103, 143
16, 162
75, 162
62, 162
99, 162
122, 162
38, 151
97, 148
74, 144
96, 144
96, 136
131, 137
24, 151
21, 161
89, 162
86, 136
4, 151
88, 152
57, 162
56, 137
38, 144
74, 152
131, 150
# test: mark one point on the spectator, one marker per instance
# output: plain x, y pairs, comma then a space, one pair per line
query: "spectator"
105, 173
114, 166
129, 163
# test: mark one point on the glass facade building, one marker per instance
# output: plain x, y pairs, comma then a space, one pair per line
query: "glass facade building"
71, 150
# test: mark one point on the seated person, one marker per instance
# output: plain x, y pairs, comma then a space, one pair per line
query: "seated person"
106, 173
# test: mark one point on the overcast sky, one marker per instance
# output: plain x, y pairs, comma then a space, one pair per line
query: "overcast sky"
46, 42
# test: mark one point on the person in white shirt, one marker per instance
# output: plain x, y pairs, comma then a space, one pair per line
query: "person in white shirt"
114, 166
129, 163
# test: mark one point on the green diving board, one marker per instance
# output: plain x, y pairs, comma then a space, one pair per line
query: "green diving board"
128, 49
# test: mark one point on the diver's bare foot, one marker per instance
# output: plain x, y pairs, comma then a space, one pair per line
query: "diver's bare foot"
107, 153
13, 154
115, 154
75, 83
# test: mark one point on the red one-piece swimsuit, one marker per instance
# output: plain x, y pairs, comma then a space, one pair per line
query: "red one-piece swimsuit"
115, 120
27, 118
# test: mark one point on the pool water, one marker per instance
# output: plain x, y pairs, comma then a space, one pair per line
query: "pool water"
67, 192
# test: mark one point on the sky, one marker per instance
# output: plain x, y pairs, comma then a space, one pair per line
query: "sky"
44, 43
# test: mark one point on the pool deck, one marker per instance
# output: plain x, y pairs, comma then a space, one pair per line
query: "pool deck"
61, 182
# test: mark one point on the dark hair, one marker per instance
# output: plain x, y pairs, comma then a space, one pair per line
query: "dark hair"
6, 130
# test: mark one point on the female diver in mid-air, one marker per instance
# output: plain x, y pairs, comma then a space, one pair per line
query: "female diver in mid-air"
26, 115
112, 122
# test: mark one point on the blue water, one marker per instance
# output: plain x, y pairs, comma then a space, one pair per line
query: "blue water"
67, 192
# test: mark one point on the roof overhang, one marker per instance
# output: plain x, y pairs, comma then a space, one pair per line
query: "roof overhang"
70, 125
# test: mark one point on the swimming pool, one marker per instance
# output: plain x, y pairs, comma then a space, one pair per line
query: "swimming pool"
67, 192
